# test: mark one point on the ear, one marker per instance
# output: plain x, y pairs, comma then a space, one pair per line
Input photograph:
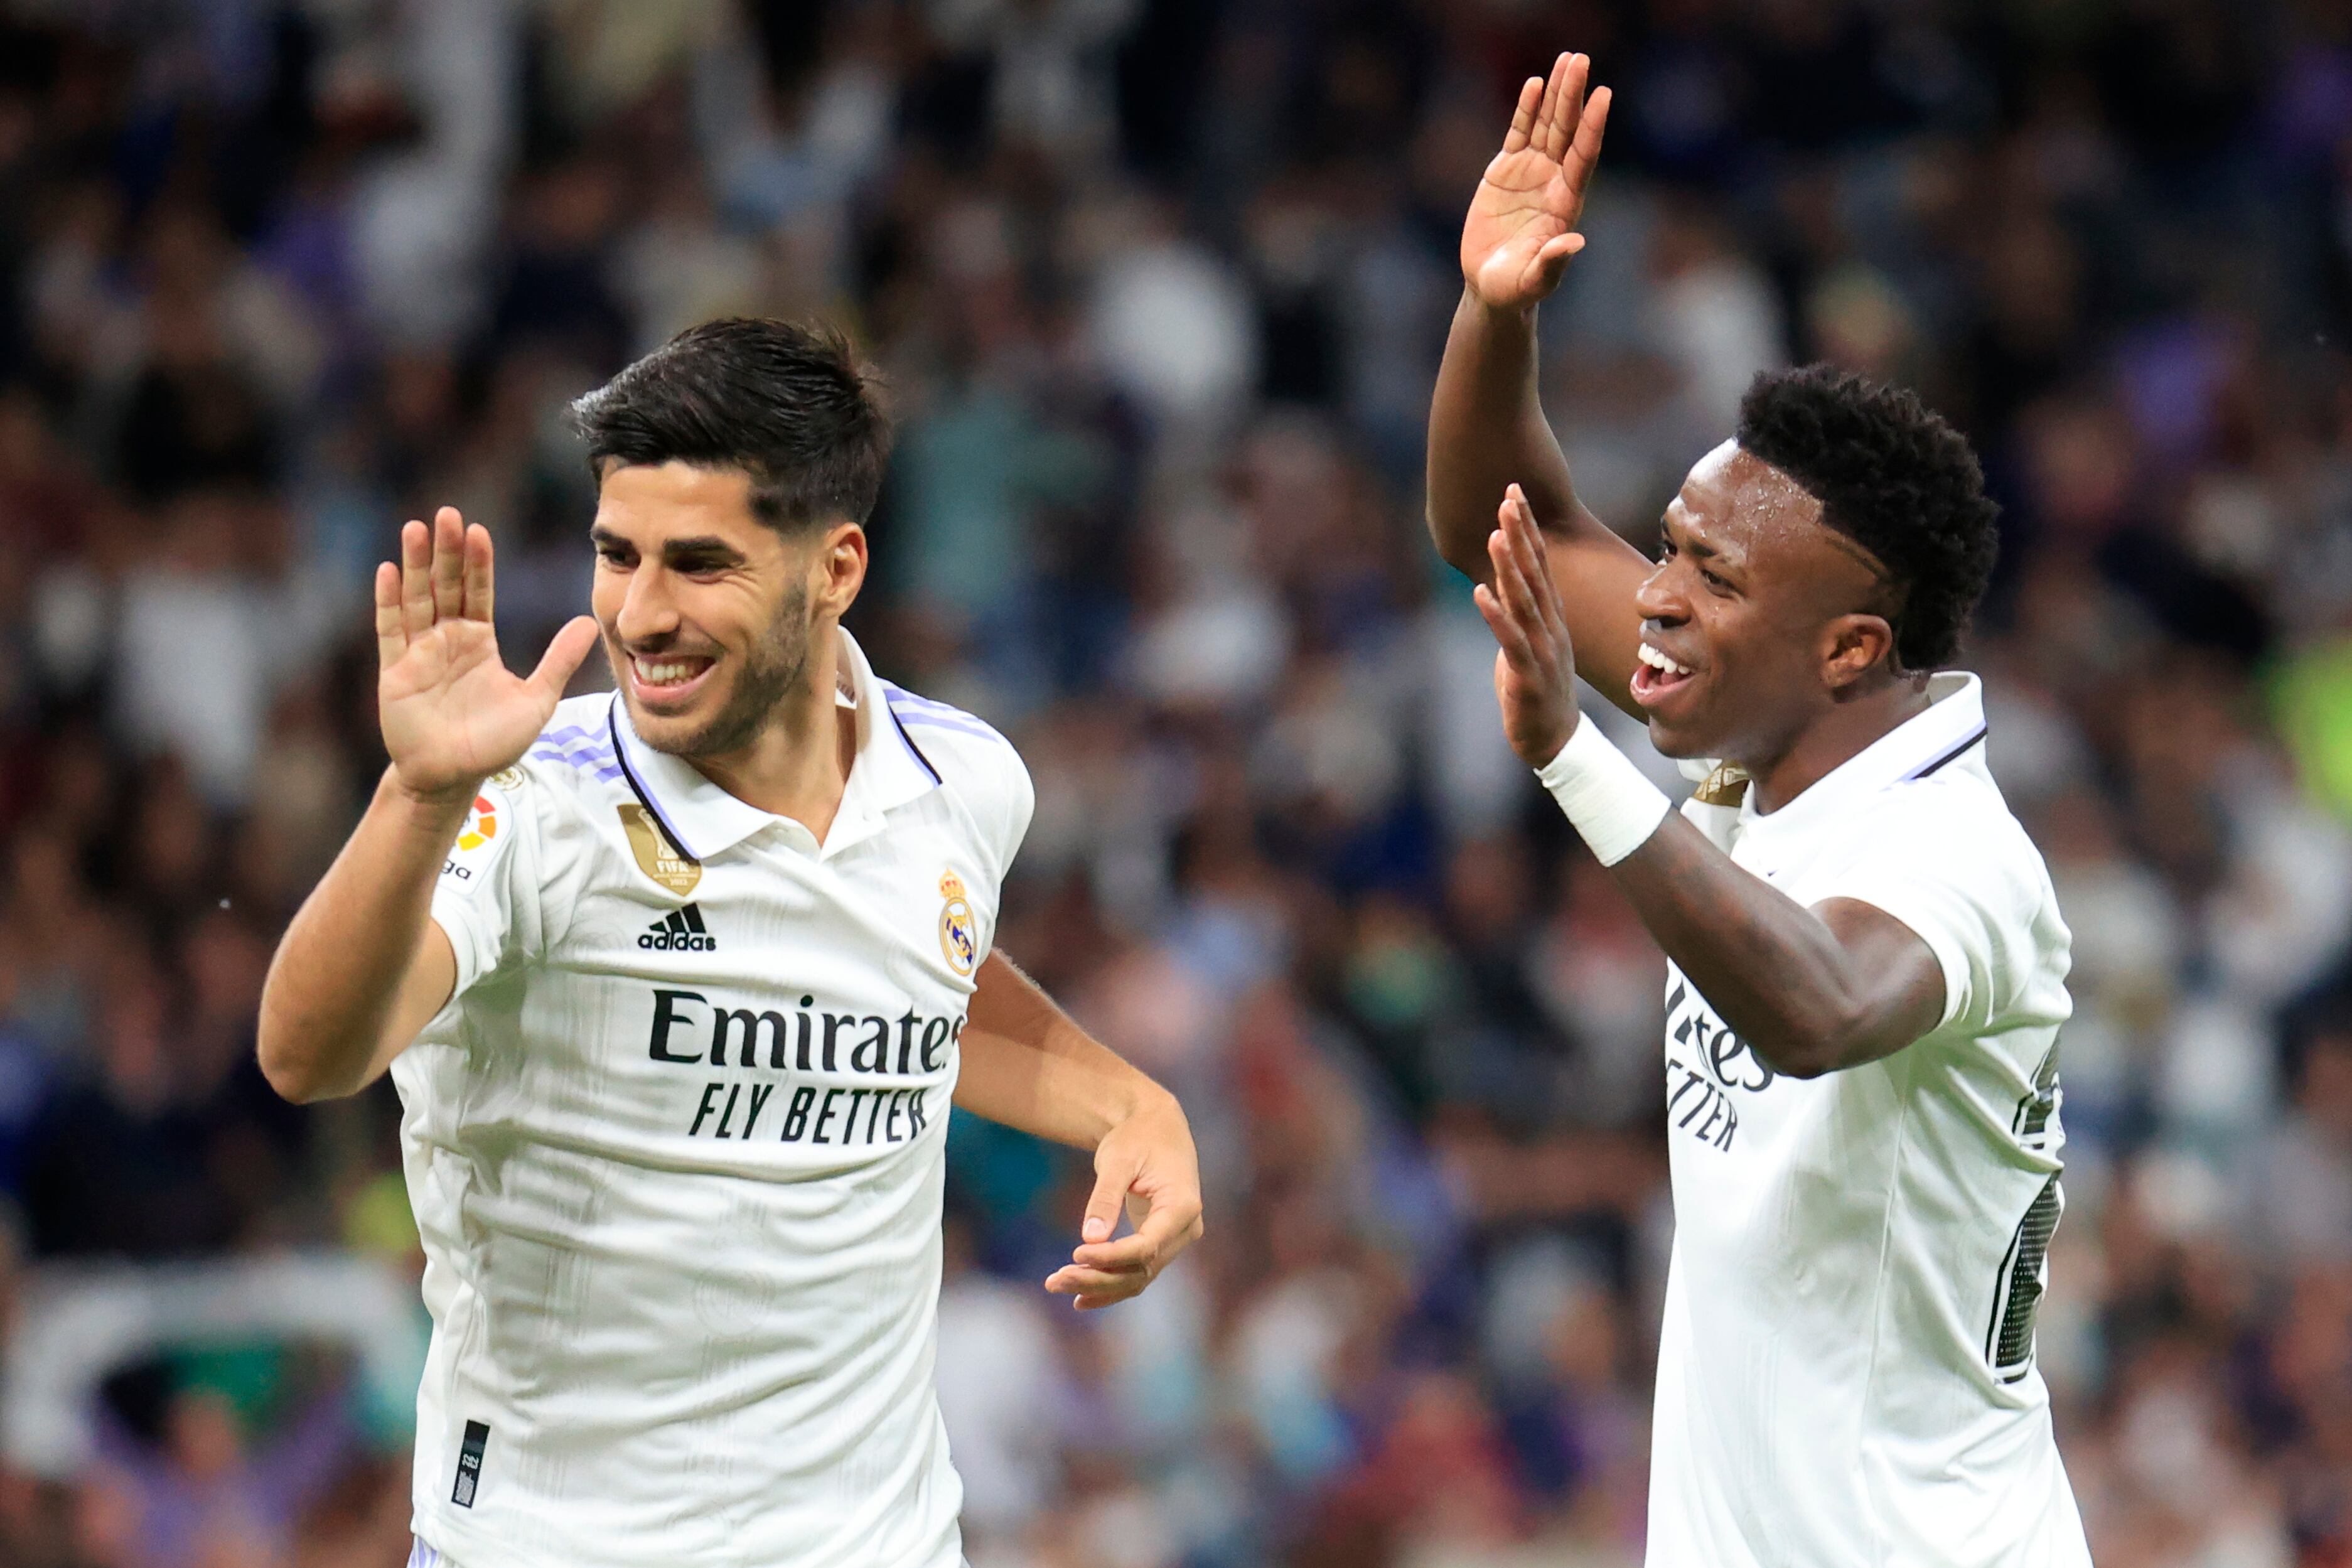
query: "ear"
837, 569
1853, 645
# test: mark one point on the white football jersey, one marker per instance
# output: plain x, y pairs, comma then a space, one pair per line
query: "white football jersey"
1845, 1372
675, 1148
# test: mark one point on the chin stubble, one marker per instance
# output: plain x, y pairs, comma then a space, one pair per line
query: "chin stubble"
774, 667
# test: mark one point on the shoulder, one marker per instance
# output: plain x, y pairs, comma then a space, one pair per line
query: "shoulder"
570, 776
1954, 827
967, 755
975, 764
575, 754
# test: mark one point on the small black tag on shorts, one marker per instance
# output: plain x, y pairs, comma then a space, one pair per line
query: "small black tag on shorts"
470, 1463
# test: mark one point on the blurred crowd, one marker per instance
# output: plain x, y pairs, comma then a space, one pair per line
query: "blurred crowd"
1159, 287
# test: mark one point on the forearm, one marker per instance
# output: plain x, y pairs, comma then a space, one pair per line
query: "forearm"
338, 974
1808, 996
1487, 431
1026, 1064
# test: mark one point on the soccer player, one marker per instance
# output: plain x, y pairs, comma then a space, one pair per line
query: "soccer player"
1867, 965
677, 985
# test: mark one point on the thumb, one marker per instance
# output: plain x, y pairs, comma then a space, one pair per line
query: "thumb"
1552, 260
1111, 1182
562, 659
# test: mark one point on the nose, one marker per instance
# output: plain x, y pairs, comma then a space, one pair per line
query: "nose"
649, 615
1659, 599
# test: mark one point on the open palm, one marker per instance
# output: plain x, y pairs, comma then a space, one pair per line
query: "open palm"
1522, 225
453, 713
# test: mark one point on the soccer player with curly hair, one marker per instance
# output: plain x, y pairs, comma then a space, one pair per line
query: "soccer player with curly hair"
1866, 964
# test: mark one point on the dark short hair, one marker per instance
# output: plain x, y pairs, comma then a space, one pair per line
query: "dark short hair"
1893, 477
790, 406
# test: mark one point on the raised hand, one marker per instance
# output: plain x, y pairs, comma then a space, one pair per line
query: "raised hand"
1522, 225
1534, 666
452, 712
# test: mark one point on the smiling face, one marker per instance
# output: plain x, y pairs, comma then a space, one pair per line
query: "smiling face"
709, 616
1758, 617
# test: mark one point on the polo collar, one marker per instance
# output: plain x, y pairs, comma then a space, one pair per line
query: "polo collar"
703, 820
1952, 726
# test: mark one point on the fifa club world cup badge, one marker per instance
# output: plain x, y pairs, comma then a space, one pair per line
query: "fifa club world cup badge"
959, 932
656, 857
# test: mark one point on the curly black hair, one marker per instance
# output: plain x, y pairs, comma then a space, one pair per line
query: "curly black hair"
1895, 478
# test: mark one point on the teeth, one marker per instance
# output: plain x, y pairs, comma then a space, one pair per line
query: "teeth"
668, 674
1657, 660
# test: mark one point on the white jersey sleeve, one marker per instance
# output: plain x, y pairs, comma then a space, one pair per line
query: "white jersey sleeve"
507, 887
978, 768
1943, 859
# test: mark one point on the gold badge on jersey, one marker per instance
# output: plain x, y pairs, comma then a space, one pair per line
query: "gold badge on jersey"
1727, 785
656, 857
959, 930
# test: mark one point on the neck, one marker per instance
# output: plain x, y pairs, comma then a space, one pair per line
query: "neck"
1835, 738
798, 765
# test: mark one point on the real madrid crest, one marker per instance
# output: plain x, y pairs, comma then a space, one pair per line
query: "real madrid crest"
656, 857
959, 930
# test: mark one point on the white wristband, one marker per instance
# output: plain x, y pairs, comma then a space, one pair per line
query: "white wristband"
1613, 807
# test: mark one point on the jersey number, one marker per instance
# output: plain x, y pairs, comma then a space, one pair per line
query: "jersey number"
2024, 1269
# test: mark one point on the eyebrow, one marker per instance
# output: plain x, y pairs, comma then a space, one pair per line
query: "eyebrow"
1688, 542
703, 545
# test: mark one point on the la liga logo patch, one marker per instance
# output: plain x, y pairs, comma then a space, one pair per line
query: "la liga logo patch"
481, 824
959, 928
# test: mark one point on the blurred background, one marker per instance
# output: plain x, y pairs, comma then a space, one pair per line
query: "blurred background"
1160, 287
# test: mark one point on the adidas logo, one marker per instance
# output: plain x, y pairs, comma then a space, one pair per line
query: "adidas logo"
681, 931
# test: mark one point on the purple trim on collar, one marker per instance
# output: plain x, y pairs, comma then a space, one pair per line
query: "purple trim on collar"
1953, 756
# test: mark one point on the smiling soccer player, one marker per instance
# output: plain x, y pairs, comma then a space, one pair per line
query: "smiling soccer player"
675, 984
1867, 966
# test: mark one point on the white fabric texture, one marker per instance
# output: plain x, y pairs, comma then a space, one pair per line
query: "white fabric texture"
1845, 1368
676, 1151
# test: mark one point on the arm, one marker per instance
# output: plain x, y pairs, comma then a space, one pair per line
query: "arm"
1811, 989
362, 967
1486, 426
1028, 1067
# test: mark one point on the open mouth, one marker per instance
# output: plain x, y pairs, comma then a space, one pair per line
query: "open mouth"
668, 680
1659, 675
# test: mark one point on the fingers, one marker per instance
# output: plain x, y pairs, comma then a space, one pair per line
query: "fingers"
1511, 584
391, 630
1102, 1204
1511, 606
1523, 120
1584, 151
1568, 107
1536, 556
448, 565
415, 577
562, 659
1103, 1272
1510, 638
1543, 138
1535, 565
477, 594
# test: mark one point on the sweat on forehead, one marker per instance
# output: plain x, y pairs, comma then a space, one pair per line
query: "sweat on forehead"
1768, 504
